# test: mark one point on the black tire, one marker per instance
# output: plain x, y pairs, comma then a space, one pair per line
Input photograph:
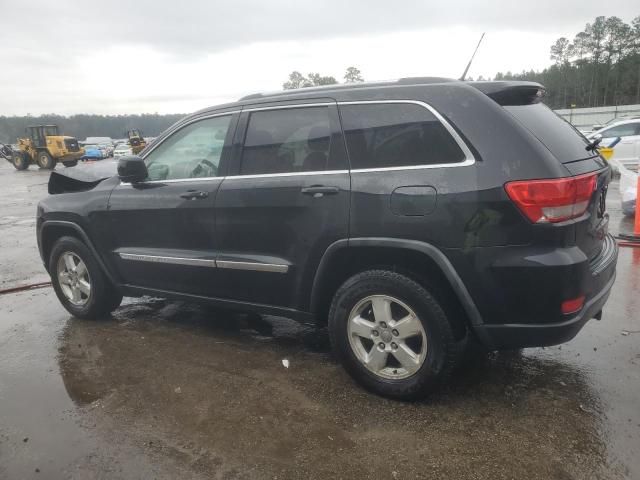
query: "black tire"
103, 299
19, 161
442, 351
70, 163
45, 161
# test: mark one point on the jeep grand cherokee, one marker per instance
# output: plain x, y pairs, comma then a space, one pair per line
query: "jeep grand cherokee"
411, 217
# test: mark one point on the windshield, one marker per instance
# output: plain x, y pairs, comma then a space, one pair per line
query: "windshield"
91, 146
50, 131
560, 137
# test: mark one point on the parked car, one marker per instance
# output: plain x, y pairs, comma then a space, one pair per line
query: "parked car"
122, 150
613, 121
107, 149
413, 218
627, 150
92, 152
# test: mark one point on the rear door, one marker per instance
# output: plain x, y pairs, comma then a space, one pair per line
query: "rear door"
283, 202
163, 229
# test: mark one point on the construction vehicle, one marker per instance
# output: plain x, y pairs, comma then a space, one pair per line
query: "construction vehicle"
44, 146
136, 140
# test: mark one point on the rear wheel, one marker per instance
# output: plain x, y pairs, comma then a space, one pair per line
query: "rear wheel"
45, 161
20, 161
79, 281
70, 163
392, 335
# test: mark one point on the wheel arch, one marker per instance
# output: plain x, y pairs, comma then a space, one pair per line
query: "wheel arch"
51, 230
421, 261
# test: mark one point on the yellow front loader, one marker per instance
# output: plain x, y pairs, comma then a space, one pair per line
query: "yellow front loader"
44, 146
136, 141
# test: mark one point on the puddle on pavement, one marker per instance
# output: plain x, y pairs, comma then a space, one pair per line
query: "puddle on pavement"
195, 385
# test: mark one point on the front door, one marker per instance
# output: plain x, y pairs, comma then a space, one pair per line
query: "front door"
283, 202
163, 229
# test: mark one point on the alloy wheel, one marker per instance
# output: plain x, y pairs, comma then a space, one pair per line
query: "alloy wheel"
387, 337
74, 279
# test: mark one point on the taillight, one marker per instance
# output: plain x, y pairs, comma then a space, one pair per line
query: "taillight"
552, 200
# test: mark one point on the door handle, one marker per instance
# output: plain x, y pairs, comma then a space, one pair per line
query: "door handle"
320, 190
194, 195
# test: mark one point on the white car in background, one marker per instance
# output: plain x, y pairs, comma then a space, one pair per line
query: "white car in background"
627, 150
122, 150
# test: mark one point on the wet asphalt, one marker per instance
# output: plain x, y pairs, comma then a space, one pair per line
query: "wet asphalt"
168, 389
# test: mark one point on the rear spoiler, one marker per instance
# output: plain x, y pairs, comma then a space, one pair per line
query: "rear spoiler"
511, 93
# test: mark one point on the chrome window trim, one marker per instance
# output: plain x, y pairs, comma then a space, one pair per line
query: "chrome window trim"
283, 107
203, 262
469, 158
464, 163
196, 262
257, 267
286, 174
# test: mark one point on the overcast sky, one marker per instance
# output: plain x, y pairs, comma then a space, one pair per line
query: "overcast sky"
117, 56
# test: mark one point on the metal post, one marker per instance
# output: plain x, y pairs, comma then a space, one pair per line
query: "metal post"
636, 228
634, 238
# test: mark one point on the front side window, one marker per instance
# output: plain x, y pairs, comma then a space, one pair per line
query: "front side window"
396, 135
286, 140
192, 152
627, 130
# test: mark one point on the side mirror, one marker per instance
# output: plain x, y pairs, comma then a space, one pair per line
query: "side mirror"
597, 136
132, 169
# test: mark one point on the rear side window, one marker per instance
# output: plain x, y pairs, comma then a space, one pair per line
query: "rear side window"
396, 135
286, 140
558, 135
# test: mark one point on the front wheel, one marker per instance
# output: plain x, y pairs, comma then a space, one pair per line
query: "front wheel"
45, 161
79, 281
19, 161
70, 163
392, 335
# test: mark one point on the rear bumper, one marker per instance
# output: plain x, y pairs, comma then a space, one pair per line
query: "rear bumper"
506, 336
519, 296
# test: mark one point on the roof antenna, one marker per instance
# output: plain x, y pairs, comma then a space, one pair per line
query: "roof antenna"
471, 59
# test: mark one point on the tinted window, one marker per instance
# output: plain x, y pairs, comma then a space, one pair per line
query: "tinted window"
627, 130
396, 135
192, 152
288, 140
558, 135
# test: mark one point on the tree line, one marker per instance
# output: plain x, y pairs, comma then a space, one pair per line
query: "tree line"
115, 126
599, 67
298, 80
83, 126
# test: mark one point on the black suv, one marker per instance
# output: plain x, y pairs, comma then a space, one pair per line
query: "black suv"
411, 216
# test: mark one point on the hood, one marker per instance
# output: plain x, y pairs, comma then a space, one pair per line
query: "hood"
81, 177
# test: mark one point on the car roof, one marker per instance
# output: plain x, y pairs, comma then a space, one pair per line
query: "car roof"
353, 91
622, 122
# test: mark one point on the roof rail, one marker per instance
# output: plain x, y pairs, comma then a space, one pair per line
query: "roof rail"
341, 86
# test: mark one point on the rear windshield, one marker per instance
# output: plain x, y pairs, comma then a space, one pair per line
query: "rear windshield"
558, 135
